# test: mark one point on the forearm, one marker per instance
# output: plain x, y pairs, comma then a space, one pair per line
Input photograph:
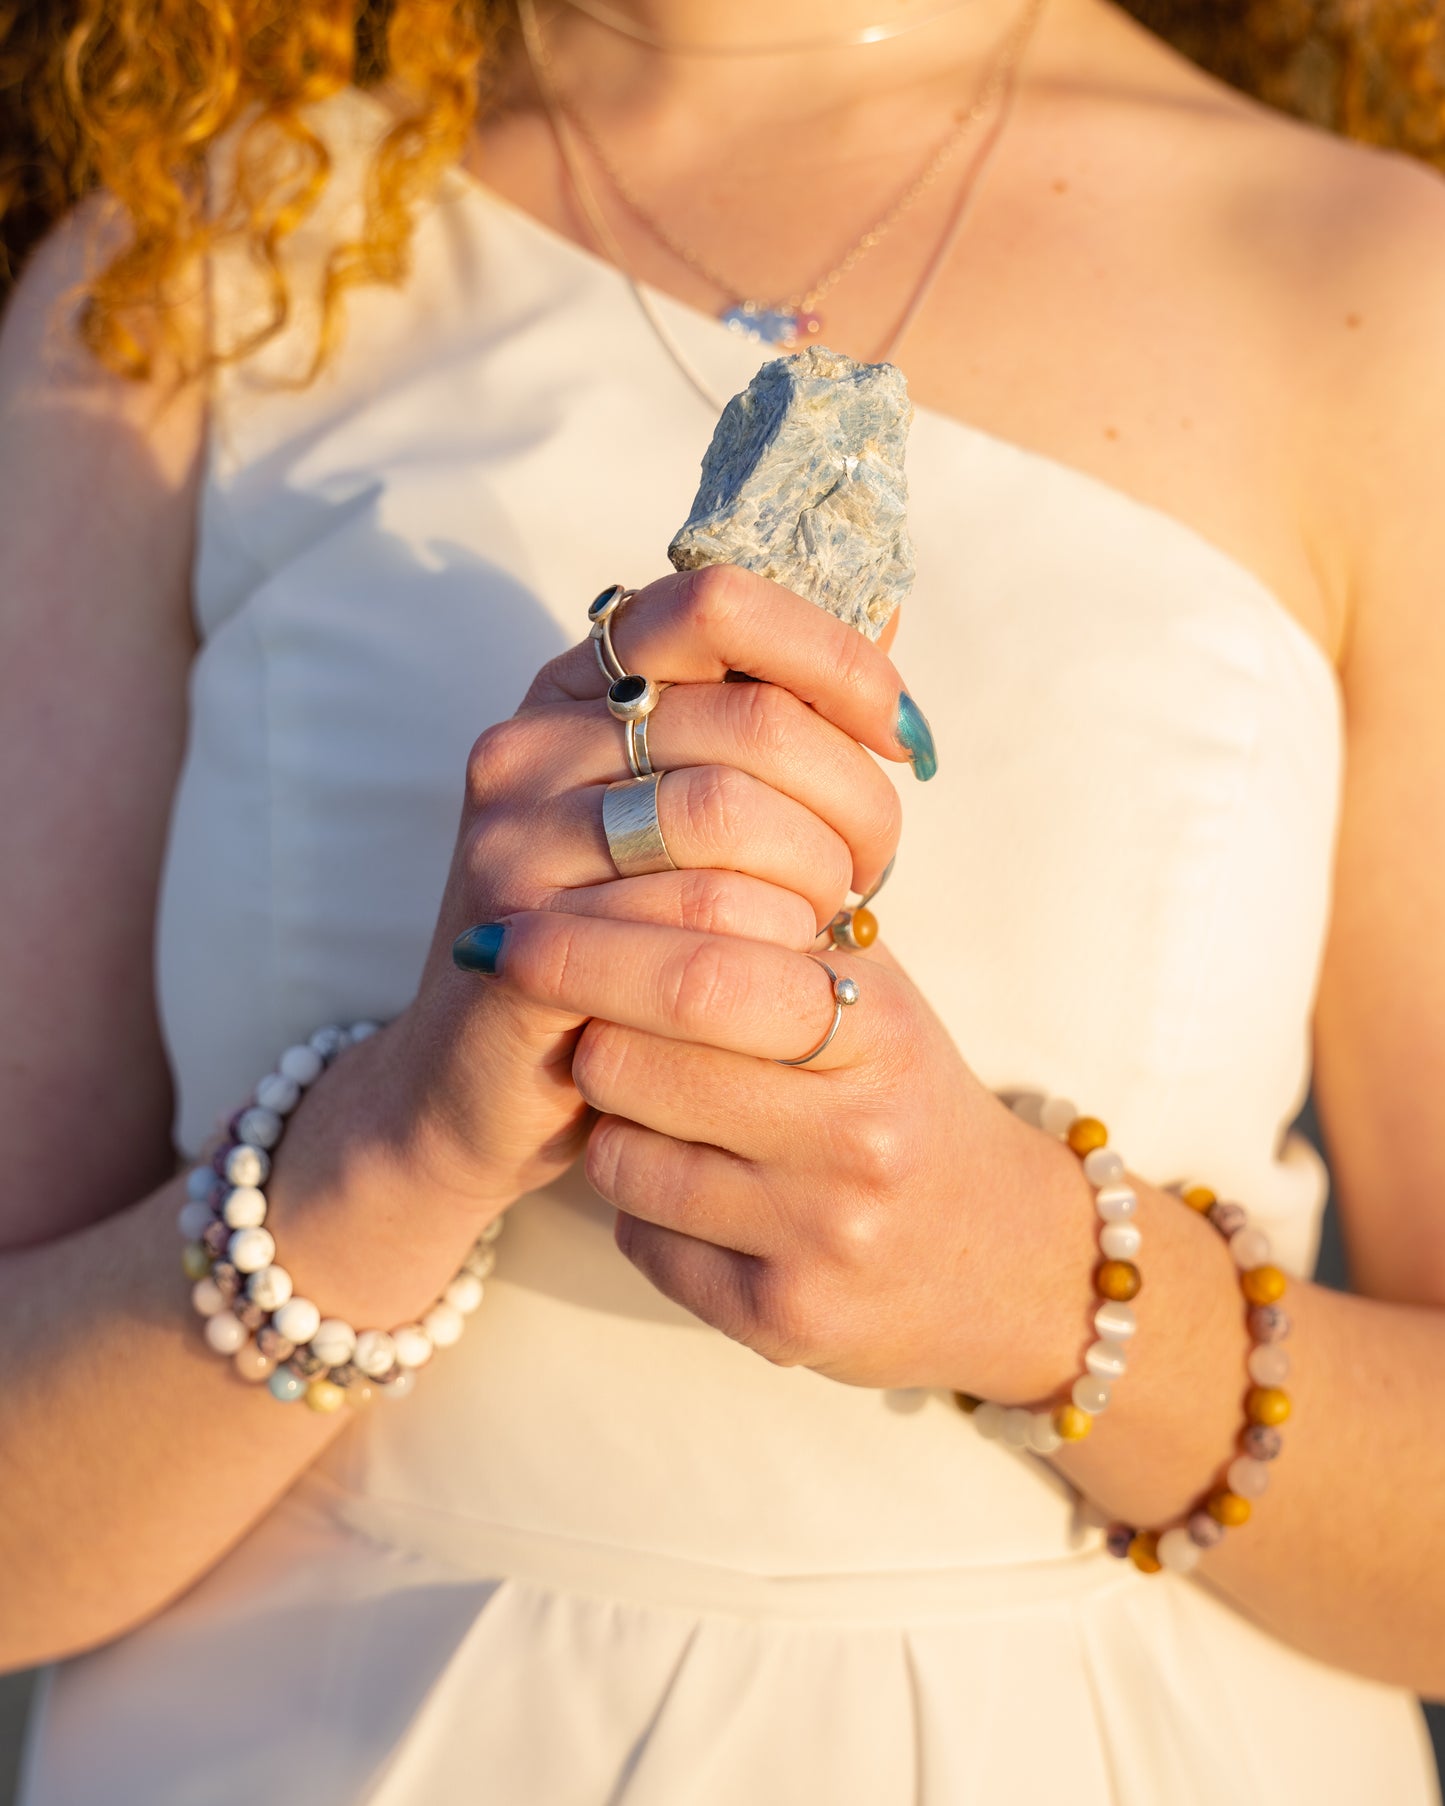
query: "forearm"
1344, 1557
131, 1456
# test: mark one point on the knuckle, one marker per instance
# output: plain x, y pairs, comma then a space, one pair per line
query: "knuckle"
704, 986
494, 761
606, 1158
711, 596
599, 1061
766, 719
709, 903
711, 801
876, 1151
783, 1317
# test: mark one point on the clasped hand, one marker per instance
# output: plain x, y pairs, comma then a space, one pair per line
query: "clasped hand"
862, 1215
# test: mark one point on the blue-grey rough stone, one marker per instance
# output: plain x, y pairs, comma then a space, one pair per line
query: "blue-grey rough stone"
804, 483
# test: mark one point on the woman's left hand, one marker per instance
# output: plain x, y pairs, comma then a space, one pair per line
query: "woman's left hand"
877, 1215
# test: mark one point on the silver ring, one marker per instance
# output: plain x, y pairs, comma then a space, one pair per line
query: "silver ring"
637, 754
634, 834
600, 612
845, 994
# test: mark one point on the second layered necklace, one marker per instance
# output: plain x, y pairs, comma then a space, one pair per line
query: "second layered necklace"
795, 320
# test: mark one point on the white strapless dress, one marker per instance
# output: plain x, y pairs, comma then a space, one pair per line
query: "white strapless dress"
604, 1556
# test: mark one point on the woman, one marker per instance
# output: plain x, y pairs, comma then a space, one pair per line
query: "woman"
1189, 537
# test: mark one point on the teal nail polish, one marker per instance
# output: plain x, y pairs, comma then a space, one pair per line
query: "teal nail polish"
480, 949
916, 738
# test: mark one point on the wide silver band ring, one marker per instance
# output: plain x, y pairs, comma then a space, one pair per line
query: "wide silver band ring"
845, 994
601, 612
634, 834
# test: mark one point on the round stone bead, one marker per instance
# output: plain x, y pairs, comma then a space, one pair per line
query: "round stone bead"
270, 1287
413, 1345
1018, 1427
480, 1261
216, 1238
277, 1092
1085, 1133
464, 1293
195, 1219
1118, 1540
207, 1297
324, 1396
1228, 1219
1262, 1442
250, 1313
1072, 1424
199, 1181
273, 1344
1116, 1203
307, 1364
1144, 1552
988, 1420
1248, 1477
1091, 1393
246, 1165
1205, 1530
1056, 1114
298, 1320
301, 1063
1028, 1106
244, 1208
1263, 1285
1103, 1167
363, 1031
251, 1249
1250, 1248
1107, 1360
1269, 1364
329, 1042
362, 1393
1228, 1508
1118, 1280
1199, 1197
1115, 1322
260, 1128
195, 1260
286, 1386
1043, 1437
375, 1352
443, 1325
227, 1278
1120, 1241
252, 1365
1266, 1405
1178, 1552
346, 1376
1269, 1323
492, 1230
334, 1342
225, 1332
401, 1387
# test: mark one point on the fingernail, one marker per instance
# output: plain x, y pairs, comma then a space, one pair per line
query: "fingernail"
480, 949
916, 738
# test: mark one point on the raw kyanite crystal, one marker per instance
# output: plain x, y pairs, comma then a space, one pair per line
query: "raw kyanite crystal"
804, 483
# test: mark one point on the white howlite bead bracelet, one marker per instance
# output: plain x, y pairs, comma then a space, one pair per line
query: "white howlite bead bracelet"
248, 1301
1116, 1283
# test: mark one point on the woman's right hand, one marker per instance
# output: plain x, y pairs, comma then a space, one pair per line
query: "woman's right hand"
771, 810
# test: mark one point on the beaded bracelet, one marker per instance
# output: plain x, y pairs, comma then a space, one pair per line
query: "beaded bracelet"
1266, 1405
248, 1303
1116, 1282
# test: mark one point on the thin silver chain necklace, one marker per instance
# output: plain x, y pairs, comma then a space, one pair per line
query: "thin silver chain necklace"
1016, 43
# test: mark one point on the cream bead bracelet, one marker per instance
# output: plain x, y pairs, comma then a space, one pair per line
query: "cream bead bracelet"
252, 1314
1116, 1283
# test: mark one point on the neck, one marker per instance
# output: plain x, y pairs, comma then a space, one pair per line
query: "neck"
755, 28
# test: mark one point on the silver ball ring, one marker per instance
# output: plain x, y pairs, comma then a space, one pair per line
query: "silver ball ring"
845, 995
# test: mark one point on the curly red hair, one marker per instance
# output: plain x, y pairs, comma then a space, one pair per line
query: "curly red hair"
128, 95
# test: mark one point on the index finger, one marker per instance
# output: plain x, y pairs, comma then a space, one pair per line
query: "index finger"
701, 626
